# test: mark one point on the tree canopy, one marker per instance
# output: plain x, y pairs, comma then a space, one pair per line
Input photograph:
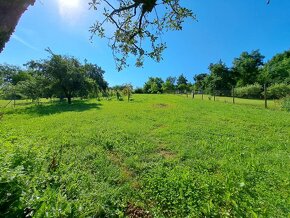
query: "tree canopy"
138, 25
59, 76
247, 67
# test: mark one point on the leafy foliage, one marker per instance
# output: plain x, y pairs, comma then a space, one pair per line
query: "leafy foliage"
153, 85
169, 85
247, 67
278, 90
277, 70
136, 21
249, 91
59, 76
247, 70
286, 103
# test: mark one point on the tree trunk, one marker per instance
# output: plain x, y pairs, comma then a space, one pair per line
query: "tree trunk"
69, 99
10, 13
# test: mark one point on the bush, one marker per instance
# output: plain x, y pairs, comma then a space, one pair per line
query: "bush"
278, 90
286, 103
138, 91
249, 91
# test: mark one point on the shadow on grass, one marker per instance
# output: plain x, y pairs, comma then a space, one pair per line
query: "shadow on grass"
55, 108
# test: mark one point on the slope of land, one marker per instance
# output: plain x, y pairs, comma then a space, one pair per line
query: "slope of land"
156, 156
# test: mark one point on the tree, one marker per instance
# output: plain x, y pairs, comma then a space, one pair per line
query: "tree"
128, 89
169, 85
94, 80
12, 74
10, 77
153, 85
67, 73
10, 13
31, 88
247, 67
137, 25
199, 81
182, 83
277, 70
220, 78
134, 23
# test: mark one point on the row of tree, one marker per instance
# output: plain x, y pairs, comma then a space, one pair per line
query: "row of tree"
58, 76
248, 69
66, 77
247, 74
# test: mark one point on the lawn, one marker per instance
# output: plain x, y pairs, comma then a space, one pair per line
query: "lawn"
155, 156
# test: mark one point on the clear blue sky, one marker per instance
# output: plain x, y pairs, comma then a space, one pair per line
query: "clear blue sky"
225, 28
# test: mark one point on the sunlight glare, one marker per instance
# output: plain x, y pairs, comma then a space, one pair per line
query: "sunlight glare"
69, 4
69, 9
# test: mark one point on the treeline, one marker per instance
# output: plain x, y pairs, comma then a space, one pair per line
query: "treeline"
247, 78
58, 76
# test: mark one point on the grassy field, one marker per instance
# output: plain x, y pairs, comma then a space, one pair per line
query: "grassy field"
156, 156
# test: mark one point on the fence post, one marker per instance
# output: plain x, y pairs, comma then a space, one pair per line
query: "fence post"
265, 95
201, 94
14, 96
214, 94
233, 95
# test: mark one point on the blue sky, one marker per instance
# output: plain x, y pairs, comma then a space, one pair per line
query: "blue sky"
225, 28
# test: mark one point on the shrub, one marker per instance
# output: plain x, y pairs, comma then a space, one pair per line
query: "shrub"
279, 90
138, 91
249, 91
286, 103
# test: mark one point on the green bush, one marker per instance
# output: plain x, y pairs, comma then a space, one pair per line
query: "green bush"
138, 91
278, 90
249, 91
286, 103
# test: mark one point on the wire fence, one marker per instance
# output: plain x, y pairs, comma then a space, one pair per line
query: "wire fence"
257, 98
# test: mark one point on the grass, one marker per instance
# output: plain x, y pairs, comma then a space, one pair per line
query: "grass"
156, 156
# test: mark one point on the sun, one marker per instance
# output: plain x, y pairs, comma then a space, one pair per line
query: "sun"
70, 10
69, 4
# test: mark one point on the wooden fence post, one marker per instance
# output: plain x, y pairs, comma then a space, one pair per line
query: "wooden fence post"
233, 95
14, 96
265, 95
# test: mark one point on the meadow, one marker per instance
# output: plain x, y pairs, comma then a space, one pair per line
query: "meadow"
155, 156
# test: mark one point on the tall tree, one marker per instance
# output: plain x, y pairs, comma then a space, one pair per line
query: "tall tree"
181, 83
169, 85
199, 81
67, 73
277, 70
153, 85
220, 78
247, 67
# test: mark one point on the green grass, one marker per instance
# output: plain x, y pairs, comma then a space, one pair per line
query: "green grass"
158, 156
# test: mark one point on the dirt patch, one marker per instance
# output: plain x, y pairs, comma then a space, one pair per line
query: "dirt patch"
126, 173
163, 151
133, 211
161, 105
167, 154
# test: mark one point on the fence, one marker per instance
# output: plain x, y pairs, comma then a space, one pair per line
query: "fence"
230, 96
